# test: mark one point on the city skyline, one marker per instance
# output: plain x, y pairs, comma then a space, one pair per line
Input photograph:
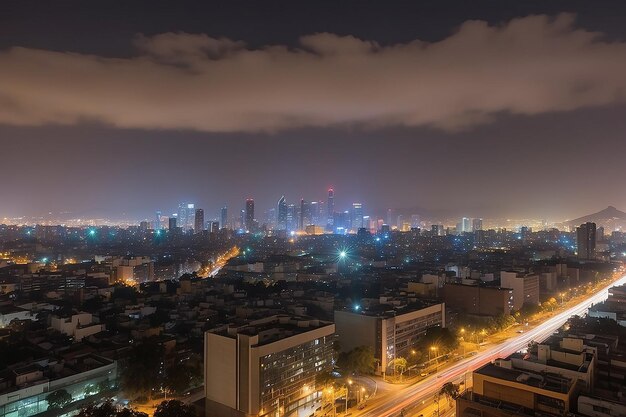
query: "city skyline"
323, 102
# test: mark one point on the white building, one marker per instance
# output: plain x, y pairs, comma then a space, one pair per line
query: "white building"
391, 333
78, 325
265, 367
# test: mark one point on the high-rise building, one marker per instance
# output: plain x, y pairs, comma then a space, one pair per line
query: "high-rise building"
357, 216
186, 212
249, 219
586, 239
215, 227
415, 220
224, 217
157, 221
330, 209
172, 222
198, 226
281, 214
391, 221
466, 225
305, 214
292, 217
266, 367
477, 224
391, 334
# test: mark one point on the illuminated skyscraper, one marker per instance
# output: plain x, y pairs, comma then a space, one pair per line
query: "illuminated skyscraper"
466, 225
249, 220
330, 208
157, 221
305, 214
357, 216
198, 221
186, 214
477, 224
281, 214
292, 216
224, 217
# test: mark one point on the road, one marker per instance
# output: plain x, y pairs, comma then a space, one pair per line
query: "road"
405, 397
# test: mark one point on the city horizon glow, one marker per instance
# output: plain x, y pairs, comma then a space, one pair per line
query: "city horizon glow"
440, 111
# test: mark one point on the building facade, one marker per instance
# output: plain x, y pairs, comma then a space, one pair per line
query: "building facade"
266, 367
391, 334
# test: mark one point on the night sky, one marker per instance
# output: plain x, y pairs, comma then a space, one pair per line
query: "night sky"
501, 109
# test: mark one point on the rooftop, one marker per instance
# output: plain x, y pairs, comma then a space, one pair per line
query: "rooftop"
543, 380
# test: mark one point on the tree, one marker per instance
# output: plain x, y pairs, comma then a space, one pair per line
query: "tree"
142, 372
323, 379
174, 408
440, 337
399, 365
58, 399
450, 391
108, 410
360, 360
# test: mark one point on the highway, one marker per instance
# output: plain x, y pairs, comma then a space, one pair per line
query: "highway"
393, 403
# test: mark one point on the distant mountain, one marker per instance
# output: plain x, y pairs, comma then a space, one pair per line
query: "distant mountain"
610, 218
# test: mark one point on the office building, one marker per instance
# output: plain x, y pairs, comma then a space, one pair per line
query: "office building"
198, 221
586, 240
25, 388
157, 221
265, 367
525, 287
249, 215
281, 214
390, 332
305, 214
224, 217
214, 226
477, 224
330, 209
171, 222
186, 213
357, 216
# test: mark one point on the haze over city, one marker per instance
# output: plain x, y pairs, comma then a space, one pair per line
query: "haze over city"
510, 109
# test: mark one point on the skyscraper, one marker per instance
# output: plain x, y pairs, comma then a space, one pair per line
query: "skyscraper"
157, 221
172, 222
281, 214
330, 208
292, 216
224, 217
586, 239
305, 214
186, 212
198, 221
357, 216
477, 224
249, 220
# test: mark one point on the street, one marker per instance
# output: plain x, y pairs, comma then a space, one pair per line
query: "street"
407, 396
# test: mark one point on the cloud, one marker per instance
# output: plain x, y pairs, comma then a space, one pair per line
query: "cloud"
527, 66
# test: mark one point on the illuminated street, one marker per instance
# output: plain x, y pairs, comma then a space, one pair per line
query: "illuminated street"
393, 403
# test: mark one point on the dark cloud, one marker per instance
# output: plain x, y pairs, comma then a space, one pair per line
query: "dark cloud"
527, 66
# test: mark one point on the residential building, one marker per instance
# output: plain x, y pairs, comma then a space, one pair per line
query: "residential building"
390, 332
525, 287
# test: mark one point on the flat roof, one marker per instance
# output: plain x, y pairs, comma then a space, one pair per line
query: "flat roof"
543, 380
